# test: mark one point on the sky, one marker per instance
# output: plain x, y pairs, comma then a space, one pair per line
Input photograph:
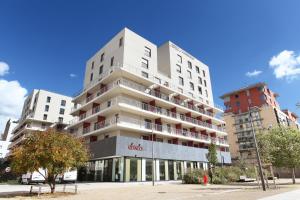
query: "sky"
45, 44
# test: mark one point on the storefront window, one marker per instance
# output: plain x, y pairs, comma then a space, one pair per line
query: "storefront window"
149, 170
118, 169
133, 169
162, 173
171, 169
178, 170
99, 170
107, 170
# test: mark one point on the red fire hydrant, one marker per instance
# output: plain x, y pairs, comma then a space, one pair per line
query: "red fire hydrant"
205, 179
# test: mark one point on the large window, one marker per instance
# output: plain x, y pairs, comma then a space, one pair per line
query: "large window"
191, 86
149, 170
162, 173
147, 52
112, 61
145, 63
179, 58
178, 68
181, 82
102, 57
121, 42
46, 108
63, 103
133, 169
190, 64
61, 111
189, 74
48, 99
178, 172
101, 69
171, 169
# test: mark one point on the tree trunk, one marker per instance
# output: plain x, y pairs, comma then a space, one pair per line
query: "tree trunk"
293, 175
52, 185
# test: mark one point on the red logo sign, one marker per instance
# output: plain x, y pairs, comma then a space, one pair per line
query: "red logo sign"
135, 147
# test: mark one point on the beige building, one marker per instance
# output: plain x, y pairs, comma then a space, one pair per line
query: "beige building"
265, 112
138, 97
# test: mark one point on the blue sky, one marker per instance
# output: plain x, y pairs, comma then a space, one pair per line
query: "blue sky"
43, 42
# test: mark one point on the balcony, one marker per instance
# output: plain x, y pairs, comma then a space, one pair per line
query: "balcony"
136, 71
142, 126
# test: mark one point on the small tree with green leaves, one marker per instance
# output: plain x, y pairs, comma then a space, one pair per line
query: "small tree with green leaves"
281, 147
212, 159
52, 151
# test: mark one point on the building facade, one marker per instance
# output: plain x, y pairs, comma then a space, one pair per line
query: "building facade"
42, 109
5, 138
141, 101
265, 114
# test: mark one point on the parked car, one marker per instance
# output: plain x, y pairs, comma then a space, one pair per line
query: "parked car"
33, 177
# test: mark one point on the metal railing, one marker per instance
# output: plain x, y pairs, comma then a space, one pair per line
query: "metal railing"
136, 123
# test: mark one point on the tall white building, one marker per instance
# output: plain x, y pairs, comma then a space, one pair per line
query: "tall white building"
41, 110
5, 138
135, 93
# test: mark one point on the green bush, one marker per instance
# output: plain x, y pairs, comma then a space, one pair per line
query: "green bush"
194, 176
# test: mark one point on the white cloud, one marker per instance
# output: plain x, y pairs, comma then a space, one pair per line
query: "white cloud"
253, 73
286, 65
4, 68
73, 75
12, 96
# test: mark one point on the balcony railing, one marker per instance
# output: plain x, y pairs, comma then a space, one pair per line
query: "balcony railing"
137, 71
136, 123
167, 113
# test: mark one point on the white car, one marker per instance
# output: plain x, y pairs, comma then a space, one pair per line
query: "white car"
33, 177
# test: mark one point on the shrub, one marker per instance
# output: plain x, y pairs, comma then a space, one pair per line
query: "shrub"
194, 176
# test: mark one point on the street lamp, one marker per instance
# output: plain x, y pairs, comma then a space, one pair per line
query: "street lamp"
257, 153
152, 154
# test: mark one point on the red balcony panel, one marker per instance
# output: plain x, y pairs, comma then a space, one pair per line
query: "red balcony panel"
178, 126
189, 114
175, 141
209, 121
203, 132
152, 103
86, 124
145, 137
93, 138
95, 105
213, 135
101, 118
196, 145
199, 118
170, 141
190, 143
81, 112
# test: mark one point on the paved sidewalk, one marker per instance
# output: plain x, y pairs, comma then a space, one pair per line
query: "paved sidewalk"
292, 195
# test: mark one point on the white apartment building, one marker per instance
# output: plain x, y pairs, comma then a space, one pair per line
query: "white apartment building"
5, 138
42, 109
137, 95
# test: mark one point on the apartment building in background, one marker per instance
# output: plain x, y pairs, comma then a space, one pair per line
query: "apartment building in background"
266, 114
137, 95
5, 137
42, 109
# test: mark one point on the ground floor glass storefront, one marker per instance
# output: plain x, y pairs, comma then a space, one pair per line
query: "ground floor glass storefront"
132, 169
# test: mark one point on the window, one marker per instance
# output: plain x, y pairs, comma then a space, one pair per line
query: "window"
147, 52
91, 77
197, 69
236, 96
190, 64
101, 69
200, 80
181, 82
157, 80
237, 104
43, 126
200, 89
46, 108
189, 74
93, 64
191, 94
178, 68
102, 57
145, 74
191, 86
180, 90
45, 117
205, 83
61, 111
145, 63
48, 99
63, 103
179, 58
203, 73
121, 42
206, 93
60, 119
112, 61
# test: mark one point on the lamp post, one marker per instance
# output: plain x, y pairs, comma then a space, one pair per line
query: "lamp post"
152, 154
257, 153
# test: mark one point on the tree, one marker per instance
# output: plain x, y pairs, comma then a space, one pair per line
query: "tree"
212, 159
281, 147
52, 151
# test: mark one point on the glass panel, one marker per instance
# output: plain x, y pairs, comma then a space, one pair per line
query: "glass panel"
171, 169
178, 170
118, 169
133, 169
99, 170
107, 171
162, 174
148, 170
